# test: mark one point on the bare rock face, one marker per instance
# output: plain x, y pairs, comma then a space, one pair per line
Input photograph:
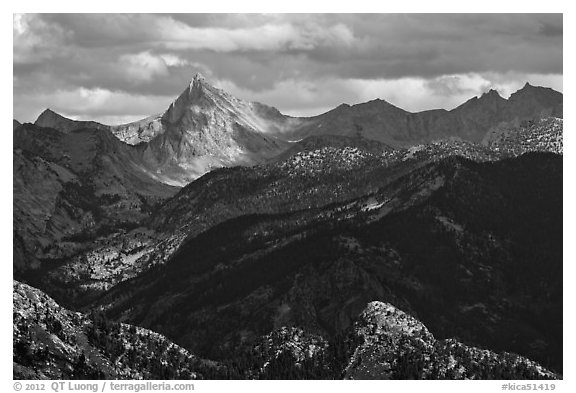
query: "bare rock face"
206, 128
140, 131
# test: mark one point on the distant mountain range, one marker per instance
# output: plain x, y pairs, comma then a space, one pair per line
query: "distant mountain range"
207, 128
227, 240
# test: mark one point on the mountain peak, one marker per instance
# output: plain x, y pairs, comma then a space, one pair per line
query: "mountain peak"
196, 85
491, 94
49, 111
531, 90
51, 119
198, 82
47, 118
198, 92
198, 77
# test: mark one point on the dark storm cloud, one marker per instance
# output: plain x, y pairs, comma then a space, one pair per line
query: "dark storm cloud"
146, 55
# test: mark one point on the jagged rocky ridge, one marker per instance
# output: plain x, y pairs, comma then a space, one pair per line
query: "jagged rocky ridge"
384, 122
51, 342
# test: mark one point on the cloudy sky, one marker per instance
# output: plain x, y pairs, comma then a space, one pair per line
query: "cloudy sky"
118, 67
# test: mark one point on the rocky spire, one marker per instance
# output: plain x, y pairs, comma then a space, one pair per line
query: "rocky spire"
197, 83
194, 93
198, 77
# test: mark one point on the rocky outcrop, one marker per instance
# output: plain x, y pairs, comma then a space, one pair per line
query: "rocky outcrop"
141, 131
393, 345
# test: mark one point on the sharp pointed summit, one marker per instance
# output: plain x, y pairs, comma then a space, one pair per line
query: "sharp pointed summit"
198, 83
192, 95
46, 115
